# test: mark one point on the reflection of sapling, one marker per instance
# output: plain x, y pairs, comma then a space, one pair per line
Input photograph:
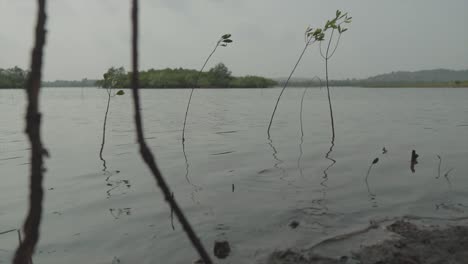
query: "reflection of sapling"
336, 25
311, 36
223, 42
112, 78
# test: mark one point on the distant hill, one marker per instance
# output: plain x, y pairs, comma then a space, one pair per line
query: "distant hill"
437, 75
424, 78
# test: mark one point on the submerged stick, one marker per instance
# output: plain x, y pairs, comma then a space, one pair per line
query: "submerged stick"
32, 223
438, 169
146, 153
172, 214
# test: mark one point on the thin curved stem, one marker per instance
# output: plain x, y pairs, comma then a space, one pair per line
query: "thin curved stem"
438, 168
329, 102
327, 156
286, 84
366, 180
104, 167
146, 153
32, 223
193, 88
336, 46
320, 49
186, 115
328, 87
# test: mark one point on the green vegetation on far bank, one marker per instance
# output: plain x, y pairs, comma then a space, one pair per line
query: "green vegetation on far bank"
13, 77
65, 83
220, 77
217, 77
16, 78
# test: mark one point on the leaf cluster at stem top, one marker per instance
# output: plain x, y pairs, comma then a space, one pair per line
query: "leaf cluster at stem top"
336, 23
224, 40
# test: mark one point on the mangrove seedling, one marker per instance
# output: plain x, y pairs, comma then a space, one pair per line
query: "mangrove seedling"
223, 41
335, 25
367, 176
311, 35
112, 78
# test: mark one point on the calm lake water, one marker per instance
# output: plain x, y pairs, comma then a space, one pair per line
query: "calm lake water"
239, 187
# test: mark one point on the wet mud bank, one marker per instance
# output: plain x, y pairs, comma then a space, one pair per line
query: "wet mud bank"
401, 242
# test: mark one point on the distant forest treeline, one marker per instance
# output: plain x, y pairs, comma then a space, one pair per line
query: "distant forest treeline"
63, 83
217, 77
220, 77
13, 77
16, 78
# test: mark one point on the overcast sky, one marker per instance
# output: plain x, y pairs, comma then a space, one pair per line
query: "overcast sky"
85, 37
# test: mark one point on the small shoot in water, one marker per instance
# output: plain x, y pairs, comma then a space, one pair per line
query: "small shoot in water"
222, 42
311, 36
335, 24
375, 161
113, 78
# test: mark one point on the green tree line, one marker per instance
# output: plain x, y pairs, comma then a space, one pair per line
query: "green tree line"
217, 77
13, 77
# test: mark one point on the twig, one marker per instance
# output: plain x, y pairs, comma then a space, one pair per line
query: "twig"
104, 131
327, 156
32, 223
146, 153
438, 169
367, 176
327, 57
309, 42
19, 236
372, 225
193, 88
8, 231
172, 213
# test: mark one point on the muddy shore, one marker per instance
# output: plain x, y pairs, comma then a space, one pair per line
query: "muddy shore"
401, 242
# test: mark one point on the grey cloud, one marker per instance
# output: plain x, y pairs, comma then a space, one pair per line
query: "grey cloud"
88, 36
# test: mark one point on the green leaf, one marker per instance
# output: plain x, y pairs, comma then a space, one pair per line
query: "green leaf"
227, 40
120, 92
226, 36
344, 30
338, 13
223, 45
